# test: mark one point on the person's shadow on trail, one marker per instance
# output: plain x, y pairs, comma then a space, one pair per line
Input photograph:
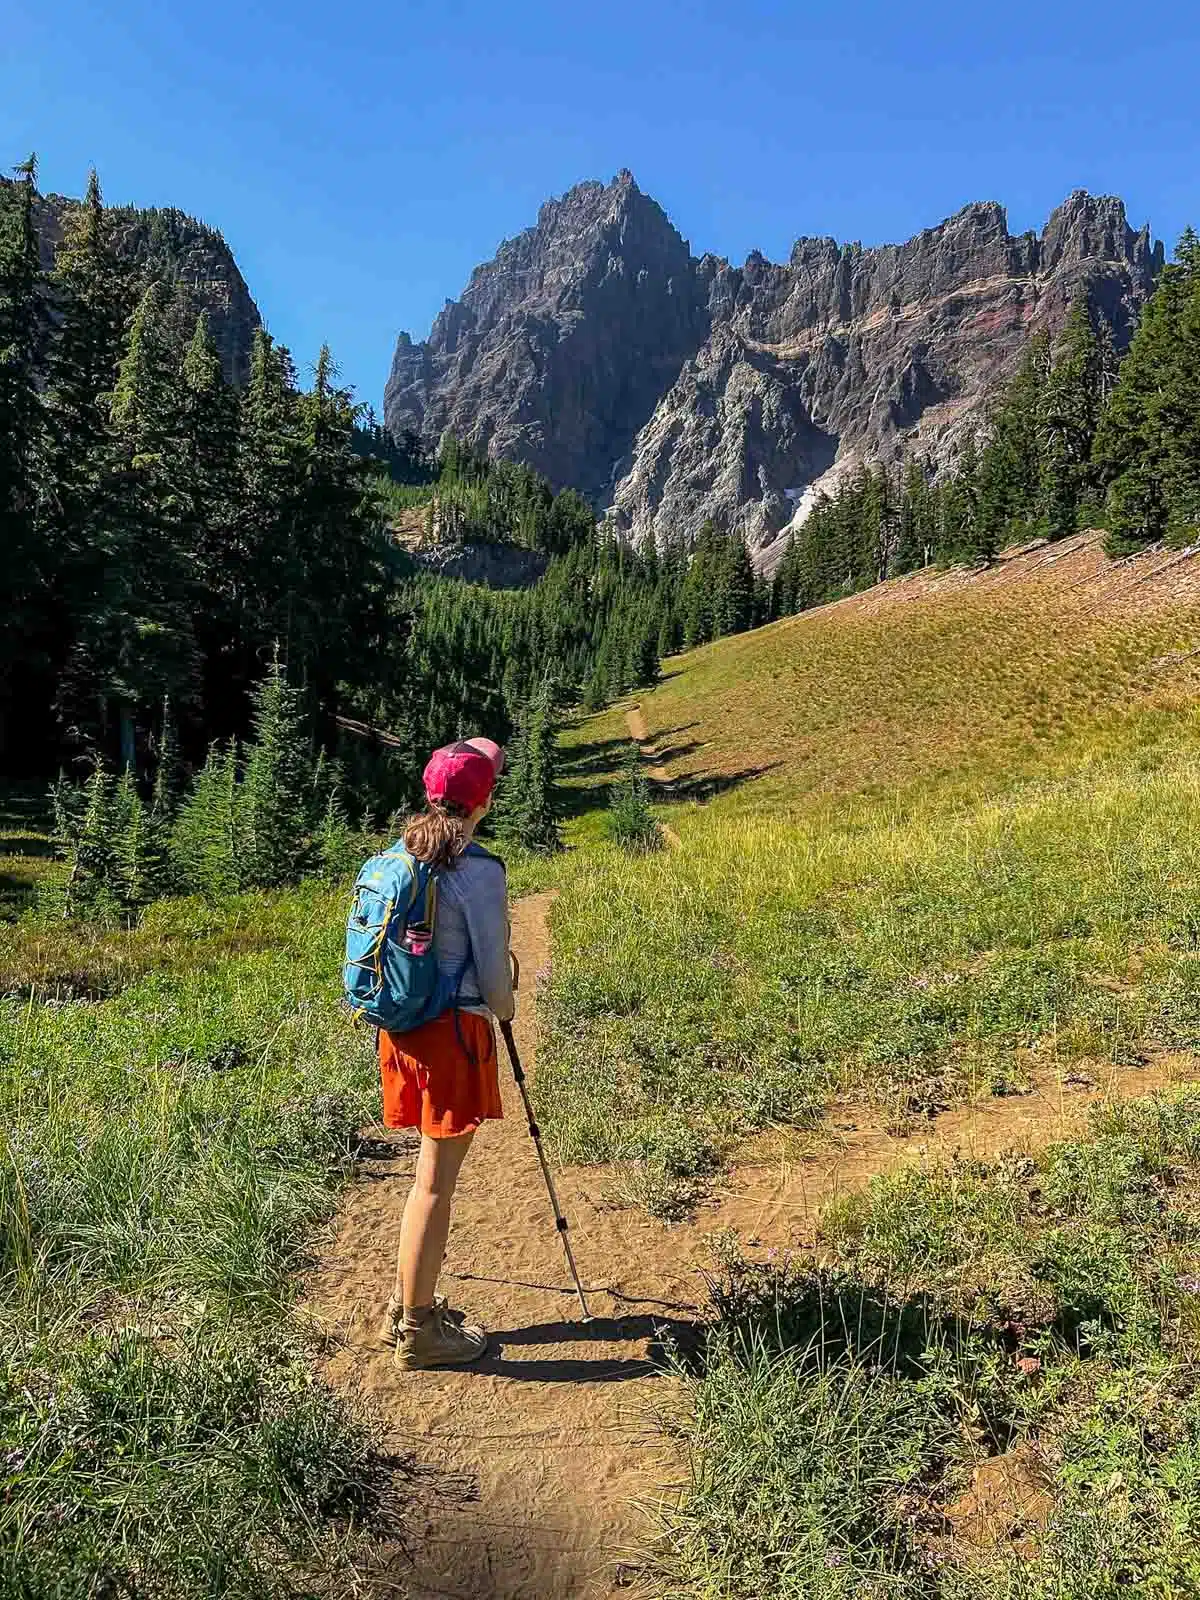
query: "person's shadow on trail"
669, 1341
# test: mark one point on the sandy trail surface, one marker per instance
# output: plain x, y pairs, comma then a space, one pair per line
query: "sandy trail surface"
535, 1468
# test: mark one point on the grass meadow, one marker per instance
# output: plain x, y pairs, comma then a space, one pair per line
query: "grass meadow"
935, 843
180, 1103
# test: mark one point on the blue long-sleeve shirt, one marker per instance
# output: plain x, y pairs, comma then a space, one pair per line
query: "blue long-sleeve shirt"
472, 931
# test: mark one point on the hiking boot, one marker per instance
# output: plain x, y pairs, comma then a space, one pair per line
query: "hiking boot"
438, 1341
392, 1325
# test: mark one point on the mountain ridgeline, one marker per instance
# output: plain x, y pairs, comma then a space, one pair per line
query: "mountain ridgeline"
671, 389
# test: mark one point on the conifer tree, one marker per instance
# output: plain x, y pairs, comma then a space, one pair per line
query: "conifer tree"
93, 860
1148, 438
23, 330
630, 820
529, 808
273, 819
733, 604
141, 647
1071, 401
1010, 465
914, 544
140, 850
204, 838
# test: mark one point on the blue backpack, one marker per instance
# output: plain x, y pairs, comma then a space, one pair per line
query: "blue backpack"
391, 973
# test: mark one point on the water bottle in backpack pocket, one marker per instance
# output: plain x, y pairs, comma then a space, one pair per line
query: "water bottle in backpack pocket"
390, 976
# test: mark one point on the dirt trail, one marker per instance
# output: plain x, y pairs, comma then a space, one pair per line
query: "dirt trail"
530, 1466
635, 721
530, 1462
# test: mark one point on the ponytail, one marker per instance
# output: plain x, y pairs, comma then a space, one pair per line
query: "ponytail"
437, 835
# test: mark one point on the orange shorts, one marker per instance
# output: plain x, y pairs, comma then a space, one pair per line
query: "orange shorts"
441, 1077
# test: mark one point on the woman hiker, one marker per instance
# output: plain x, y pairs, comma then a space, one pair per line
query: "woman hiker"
442, 1077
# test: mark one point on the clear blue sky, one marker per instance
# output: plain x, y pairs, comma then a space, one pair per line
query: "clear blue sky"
362, 159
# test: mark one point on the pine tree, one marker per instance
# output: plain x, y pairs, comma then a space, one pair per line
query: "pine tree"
529, 807
630, 821
204, 854
914, 545
1070, 411
1148, 438
140, 850
136, 646
24, 578
272, 805
733, 603
1010, 466
92, 872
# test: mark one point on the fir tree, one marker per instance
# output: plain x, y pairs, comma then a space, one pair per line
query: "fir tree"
530, 807
1010, 466
140, 850
1148, 439
204, 844
630, 821
92, 872
24, 578
1071, 401
272, 804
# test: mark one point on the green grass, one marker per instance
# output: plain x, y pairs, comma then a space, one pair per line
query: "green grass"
934, 841
902, 695
1045, 1306
180, 1104
767, 965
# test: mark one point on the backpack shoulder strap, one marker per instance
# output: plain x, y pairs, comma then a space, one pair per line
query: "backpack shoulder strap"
398, 852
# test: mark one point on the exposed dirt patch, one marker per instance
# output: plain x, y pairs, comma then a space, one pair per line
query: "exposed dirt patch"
784, 1178
1007, 1503
531, 1467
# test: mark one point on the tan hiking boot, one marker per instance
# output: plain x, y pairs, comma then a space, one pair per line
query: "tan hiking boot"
438, 1341
392, 1325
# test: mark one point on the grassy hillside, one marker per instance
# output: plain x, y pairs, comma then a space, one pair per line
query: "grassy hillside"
948, 844
936, 841
944, 684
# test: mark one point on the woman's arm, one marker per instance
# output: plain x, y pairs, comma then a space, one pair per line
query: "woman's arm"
486, 910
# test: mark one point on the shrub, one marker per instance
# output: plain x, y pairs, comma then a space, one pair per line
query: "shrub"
630, 821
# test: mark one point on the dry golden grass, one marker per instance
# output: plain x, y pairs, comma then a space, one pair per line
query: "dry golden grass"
961, 683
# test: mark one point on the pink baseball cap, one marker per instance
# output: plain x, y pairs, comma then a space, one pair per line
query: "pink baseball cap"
464, 773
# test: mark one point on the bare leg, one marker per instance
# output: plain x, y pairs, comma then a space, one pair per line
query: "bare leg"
426, 1223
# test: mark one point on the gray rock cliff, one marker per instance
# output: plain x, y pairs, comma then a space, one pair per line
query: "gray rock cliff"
596, 348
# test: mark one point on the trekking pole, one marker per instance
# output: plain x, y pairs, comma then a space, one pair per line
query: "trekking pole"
536, 1134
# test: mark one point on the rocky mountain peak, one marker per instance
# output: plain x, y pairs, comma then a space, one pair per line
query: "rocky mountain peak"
562, 344
596, 347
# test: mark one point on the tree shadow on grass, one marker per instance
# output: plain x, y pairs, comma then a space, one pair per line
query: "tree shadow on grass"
17, 894
657, 756
704, 786
582, 760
